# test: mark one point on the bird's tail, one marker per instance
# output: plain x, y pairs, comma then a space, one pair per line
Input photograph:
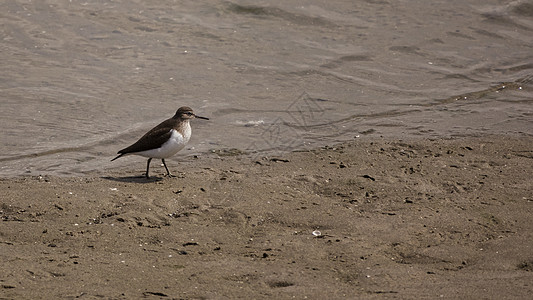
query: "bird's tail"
120, 155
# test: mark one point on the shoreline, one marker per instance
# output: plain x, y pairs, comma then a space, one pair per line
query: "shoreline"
369, 218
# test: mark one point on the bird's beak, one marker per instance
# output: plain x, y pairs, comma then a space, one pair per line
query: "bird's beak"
201, 117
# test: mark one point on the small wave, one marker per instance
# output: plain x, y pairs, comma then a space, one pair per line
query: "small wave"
274, 12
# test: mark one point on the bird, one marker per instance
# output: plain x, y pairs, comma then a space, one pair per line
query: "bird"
164, 140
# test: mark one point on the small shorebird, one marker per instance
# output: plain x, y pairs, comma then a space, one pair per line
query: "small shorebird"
164, 140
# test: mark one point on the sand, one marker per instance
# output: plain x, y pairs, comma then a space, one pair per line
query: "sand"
372, 218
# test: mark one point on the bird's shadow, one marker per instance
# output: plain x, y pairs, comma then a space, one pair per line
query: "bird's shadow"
134, 179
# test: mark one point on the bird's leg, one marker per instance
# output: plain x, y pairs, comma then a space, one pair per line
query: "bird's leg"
168, 172
148, 167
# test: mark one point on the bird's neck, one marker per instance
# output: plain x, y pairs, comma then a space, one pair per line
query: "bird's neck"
184, 127
187, 131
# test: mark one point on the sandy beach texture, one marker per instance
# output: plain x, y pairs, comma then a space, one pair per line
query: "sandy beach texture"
372, 218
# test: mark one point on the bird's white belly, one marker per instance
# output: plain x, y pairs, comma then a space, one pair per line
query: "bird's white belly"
170, 147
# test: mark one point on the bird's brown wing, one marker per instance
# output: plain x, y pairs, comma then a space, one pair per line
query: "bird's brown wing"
152, 139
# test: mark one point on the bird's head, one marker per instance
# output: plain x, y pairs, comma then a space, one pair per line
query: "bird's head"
185, 112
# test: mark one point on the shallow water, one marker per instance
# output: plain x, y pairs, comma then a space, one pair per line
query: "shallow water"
81, 80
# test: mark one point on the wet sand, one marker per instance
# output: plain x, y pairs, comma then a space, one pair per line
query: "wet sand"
391, 219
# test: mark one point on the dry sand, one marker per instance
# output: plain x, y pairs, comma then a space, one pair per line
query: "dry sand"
392, 219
